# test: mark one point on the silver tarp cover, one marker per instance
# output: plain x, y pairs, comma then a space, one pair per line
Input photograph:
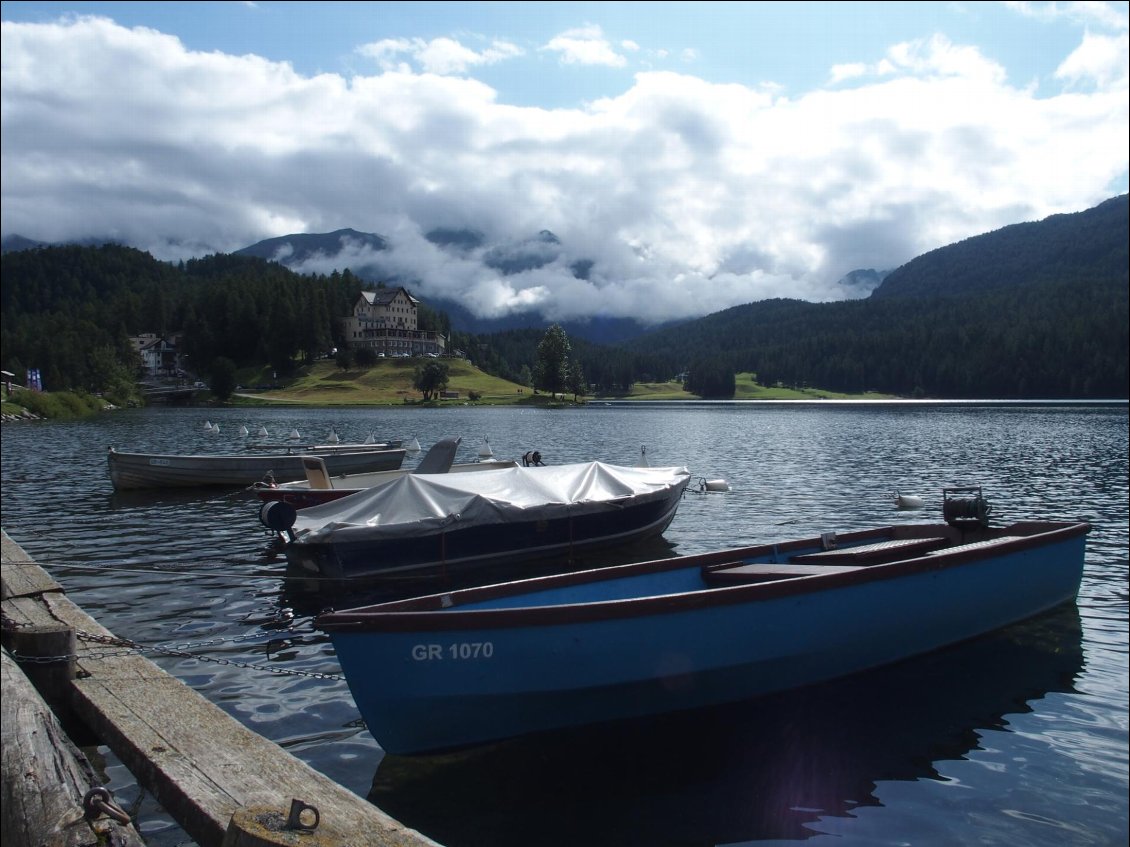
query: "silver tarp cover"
420, 504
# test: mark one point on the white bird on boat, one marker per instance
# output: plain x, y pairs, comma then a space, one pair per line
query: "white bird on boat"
908, 501
485, 452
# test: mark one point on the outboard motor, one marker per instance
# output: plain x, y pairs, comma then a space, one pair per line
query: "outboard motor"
965, 506
279, 516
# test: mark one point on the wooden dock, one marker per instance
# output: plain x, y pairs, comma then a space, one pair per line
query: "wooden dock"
225, 785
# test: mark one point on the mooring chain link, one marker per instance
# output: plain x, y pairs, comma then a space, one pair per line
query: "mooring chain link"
181, 651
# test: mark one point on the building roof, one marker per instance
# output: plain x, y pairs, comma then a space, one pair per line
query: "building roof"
384, 296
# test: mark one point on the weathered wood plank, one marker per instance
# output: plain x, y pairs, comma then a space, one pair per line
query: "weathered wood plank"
199, 763
22, 577
45, 777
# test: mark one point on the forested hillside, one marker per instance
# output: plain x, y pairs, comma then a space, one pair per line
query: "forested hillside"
1058, 340
1035, 311
1091, 245
70, 310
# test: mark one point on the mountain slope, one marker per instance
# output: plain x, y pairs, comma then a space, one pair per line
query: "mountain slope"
1085, 244
293, 249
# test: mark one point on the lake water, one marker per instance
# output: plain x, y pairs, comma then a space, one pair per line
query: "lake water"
1019, 738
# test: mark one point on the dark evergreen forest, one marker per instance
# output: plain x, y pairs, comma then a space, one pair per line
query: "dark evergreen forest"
1032, 311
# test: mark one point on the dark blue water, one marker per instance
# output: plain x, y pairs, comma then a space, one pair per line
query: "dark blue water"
1019, 738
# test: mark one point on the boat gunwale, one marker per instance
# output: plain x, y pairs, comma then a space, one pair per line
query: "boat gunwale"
442, 612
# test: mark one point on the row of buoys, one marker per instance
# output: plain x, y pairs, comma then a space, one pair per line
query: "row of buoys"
262, 432
412, 447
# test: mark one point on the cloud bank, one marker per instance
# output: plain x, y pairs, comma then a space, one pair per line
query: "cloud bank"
675, 198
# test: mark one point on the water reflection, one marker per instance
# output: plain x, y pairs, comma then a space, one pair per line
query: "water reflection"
771, 769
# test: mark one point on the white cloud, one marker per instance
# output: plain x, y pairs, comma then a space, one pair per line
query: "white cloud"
1106, 15
926, 57
438, 56
685, 196
1102, 60
585, 46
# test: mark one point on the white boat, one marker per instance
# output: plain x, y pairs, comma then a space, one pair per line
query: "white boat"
321, 487
282, 464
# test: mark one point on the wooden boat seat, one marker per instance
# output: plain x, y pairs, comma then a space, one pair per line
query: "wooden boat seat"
742, 573
974, 545
870, 554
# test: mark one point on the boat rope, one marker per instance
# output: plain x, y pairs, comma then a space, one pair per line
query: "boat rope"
130, 647
195, 570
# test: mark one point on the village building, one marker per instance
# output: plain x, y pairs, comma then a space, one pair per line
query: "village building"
385, 321
158, 354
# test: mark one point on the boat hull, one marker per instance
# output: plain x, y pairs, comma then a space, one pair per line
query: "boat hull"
458, 549
484, 664
144, 470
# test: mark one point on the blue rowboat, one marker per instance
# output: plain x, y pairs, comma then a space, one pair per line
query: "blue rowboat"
480, 664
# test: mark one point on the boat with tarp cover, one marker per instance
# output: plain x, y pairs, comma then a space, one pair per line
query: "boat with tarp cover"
439, 524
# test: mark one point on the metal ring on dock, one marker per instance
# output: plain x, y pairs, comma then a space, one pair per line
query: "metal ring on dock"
98, 802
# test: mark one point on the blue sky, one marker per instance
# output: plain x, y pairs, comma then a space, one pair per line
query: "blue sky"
693, 155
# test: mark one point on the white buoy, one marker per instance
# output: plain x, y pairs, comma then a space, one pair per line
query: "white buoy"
908, 501
485, 452
243, 431
413, 446
643, 463
332, 437
714, 485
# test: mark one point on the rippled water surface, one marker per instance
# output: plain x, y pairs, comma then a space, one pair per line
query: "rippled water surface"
1019, 738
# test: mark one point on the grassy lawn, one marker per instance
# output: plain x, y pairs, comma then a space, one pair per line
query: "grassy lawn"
386, 383
389, 382
745, 389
